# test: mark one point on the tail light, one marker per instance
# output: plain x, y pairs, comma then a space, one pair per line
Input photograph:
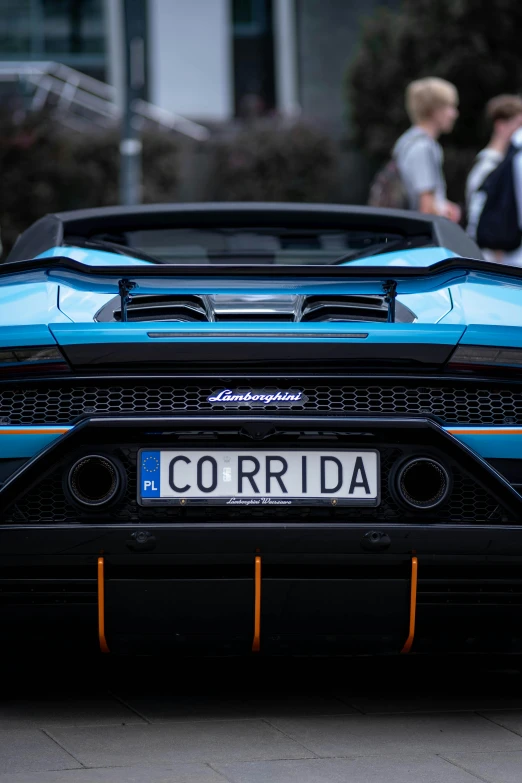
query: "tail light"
473, 357
25, 361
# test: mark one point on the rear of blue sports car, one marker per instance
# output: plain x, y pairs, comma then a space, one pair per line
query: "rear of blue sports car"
245, 430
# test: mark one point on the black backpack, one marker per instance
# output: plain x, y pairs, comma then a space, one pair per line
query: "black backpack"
498, 226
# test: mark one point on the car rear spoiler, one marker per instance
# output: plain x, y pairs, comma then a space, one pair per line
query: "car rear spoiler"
128, 279
64, 228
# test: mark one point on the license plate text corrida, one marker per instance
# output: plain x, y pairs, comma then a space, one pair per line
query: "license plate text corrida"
251, 477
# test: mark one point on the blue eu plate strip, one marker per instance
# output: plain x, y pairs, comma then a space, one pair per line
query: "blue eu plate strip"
149, 470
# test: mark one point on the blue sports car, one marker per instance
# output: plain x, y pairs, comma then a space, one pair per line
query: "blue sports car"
265, 428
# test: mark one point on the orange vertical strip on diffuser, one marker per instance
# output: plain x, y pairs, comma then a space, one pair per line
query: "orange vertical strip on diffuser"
413, 606
256, 644
101, 606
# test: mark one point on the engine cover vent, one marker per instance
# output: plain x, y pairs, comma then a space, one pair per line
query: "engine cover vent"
278, 308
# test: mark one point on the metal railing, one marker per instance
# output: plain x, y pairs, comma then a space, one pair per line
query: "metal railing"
84, 103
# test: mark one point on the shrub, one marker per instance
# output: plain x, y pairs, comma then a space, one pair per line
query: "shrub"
45, 169
39, 173
98, 159
271, 161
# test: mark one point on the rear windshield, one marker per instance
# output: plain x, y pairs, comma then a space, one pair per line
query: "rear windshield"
260, 245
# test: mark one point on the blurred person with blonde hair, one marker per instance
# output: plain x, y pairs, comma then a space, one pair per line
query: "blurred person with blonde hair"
431, 104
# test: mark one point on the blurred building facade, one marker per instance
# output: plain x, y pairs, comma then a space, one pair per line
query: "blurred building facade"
70, 32
208, 60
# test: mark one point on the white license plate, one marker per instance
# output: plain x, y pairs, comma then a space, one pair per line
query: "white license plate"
249, 477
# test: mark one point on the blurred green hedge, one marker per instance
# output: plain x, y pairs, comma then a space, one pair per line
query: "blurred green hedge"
45, 169
273, 161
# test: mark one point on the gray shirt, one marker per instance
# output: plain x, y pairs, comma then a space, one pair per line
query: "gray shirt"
419, 159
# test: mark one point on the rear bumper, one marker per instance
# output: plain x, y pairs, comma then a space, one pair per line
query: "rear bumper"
165, 580
322, 589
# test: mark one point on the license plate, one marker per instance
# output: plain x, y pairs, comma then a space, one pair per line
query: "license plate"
246, 477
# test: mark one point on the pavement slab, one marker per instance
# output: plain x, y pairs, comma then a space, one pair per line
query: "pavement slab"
270, 707
394, 706
286, 721
359, 770
166, 709
32, 751
511, 720
164, 744
366, 735
178, 773
491, 767
40, 713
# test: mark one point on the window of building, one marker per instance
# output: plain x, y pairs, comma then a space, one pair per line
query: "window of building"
253, 52
67, 31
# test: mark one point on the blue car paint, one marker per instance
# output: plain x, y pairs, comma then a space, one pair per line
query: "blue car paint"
17, 442
25, 335
56, 296
24, 303
429, 307
75, 304
247, 287
494, 304
444, 308
489, 442
229, 285
77, 334
79, 307
505, 336
92, 257
422, 256
432, 301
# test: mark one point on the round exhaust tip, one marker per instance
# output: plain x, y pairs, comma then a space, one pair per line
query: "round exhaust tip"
423, 483
94, 480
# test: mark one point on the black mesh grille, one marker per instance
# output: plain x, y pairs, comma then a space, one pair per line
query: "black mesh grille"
453, 404
469, 585
468, 503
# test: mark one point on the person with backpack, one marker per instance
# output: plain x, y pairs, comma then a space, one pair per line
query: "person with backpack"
505, 115
499, 218
414, 178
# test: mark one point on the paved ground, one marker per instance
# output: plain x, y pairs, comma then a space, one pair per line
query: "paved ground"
280, 721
